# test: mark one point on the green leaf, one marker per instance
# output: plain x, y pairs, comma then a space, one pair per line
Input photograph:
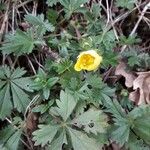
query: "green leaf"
9, 138
110, 58
52, 2
82, 141
72, 6
52, 81
66, 105
136, 144
44, 83
45, 134
93, 121
39, 21
19, 43
46, 93
94, 80
121, 134
52, 16
58, 142
129, 40
63, 65
12, 93
141, 124
5, 103
129, 4
21, 99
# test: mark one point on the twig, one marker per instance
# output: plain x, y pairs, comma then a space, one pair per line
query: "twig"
31, 65
24, 3
35, 98
13, 18
147, 6
108, 13
4, 22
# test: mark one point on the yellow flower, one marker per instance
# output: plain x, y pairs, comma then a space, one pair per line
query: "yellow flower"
88, 60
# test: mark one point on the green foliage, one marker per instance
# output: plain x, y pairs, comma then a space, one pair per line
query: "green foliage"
24, 42
51, 2
129, 4
9, 138
65, 109
12, 90
129, 40
20, 43
39, 23
58, 130
43, 82
10, 135
136, 59
69, 6
125, 124
63, 65
72, 6
98, 91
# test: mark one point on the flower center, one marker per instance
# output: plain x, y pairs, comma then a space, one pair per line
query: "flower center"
87, 60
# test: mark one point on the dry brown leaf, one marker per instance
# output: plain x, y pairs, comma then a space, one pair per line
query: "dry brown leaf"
134, 96
129, 77
141, 85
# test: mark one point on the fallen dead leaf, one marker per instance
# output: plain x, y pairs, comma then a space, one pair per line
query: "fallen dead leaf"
129, 77
141, 85
140, 81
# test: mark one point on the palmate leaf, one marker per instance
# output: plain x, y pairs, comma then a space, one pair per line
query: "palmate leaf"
16, 85
135, 143
5, 103
9, 138
45, 134
99, 91
66, 104
141, 124
58, 142
126, 3
72, 6
121, 134
82, 141
62, 131
126, 126
20, 43
38, 21
52, 2
93, 121
121, 130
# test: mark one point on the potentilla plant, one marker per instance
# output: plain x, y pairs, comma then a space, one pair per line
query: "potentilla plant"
74, 75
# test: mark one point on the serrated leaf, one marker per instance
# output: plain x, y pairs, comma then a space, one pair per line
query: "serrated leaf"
12, 93
94, 81
20, 43
63, 66
5, 103
82, 141
39, 21
45, 134
126, 3
58, 142
9, 137
136, 144
72, 6
142, 126
52, 81
121, 134
93, 121
66, 105
21, 99
52, 2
